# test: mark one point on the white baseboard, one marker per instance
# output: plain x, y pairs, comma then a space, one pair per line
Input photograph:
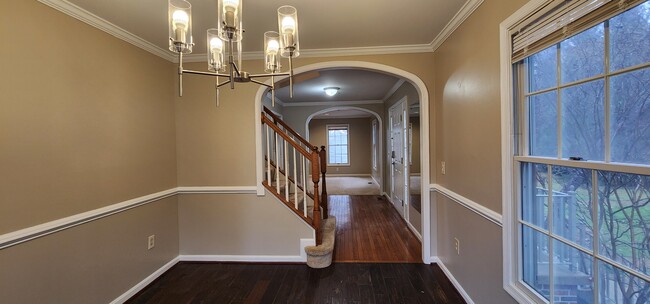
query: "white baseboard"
304, 243
135, 289
243, 258
347, 175
415, 231
463, 293
375, 180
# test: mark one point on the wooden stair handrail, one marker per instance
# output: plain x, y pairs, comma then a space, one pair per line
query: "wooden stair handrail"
289, 129
268, 122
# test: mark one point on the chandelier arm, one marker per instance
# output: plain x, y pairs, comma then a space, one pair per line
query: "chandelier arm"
205, 73
269, 75
180, 74
273, 91
291, 75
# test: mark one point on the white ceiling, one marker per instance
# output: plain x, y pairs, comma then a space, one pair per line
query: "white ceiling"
347, 113
354, 84
332, 27
330, 24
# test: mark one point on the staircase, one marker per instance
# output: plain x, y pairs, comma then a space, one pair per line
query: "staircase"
295, 174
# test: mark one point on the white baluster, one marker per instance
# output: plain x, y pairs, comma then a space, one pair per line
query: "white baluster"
277, 164
295, 180
286, 172
304, 187
268, 156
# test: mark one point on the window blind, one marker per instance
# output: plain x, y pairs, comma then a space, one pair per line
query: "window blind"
560, 19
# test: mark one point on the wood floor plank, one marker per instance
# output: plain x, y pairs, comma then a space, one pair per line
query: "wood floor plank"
369, 229
339, 283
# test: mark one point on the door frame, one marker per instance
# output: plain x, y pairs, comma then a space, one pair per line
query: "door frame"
429, 211
400, 105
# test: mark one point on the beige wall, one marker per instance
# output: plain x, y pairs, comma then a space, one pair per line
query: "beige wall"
360, 137
415, 160
467, 126
87, 121
239, 224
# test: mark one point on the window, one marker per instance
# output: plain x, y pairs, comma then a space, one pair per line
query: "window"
338, 145
582, 164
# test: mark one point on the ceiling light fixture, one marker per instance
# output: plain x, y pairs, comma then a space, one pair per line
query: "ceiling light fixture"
226, 39
331, 91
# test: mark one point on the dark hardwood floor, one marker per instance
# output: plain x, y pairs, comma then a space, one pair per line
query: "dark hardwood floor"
369, 229
263, 283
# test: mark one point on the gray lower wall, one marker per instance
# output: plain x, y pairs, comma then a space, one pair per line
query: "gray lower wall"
92, 263
239, 224
478, 267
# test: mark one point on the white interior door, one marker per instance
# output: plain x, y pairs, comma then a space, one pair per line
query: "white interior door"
398, 157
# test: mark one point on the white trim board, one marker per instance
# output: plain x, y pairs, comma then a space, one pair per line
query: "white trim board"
331, 103
30, 233
473, 206
510, 252
218, 190
144, 283
243, 258
41, 230
348, 175
461, 290
465, 11
392, 90
93, 20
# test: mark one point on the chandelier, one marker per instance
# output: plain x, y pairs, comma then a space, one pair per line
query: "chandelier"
226, 40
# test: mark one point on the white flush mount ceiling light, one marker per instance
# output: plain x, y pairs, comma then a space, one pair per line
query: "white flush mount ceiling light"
331, 91
224, 44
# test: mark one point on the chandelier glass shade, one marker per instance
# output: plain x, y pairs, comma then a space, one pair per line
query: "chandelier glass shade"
223, 44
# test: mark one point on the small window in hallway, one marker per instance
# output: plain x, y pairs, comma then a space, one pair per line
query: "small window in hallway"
338, 145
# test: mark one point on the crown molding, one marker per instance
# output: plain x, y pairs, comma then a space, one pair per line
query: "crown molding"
465, 11
343, 117
392, 90
332, 103
93, 20
332, 52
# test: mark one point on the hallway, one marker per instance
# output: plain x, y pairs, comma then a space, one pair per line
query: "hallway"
369, 229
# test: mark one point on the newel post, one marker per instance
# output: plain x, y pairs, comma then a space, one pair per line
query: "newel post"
315, 176
323, 171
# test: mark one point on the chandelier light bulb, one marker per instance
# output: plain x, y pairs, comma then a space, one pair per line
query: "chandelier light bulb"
273, 47
180, 20
288, 25
230, 9
216, 45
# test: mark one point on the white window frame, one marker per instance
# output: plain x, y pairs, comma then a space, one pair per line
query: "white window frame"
327, 137
510, 165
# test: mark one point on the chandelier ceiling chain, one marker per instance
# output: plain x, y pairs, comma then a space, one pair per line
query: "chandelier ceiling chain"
226, 39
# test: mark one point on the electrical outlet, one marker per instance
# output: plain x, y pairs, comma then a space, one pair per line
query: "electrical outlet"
151, 241
457, 246
443, 169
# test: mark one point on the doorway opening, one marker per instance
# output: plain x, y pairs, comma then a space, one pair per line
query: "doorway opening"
298, 120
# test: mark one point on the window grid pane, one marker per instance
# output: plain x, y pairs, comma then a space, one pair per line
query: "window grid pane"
337, 138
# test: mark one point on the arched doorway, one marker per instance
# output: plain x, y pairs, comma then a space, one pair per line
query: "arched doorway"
374, 114
424, 135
